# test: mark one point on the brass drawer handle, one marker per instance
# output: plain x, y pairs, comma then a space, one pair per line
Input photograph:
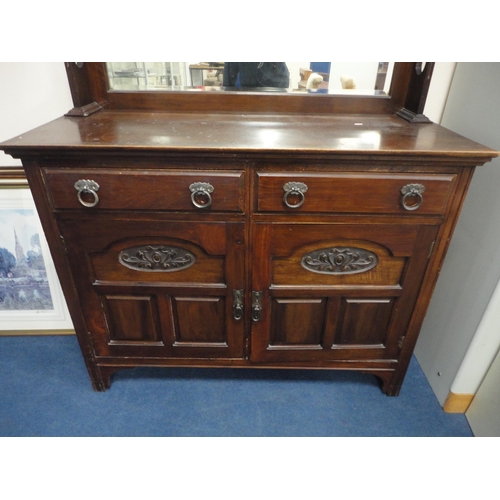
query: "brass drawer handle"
203, 190
87, 186
256, 305
409, 191
294, 189
237, 304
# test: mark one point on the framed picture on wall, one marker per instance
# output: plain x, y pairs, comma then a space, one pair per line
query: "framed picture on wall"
31, 299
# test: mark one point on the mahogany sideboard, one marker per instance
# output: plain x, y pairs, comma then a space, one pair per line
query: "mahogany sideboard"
247, 239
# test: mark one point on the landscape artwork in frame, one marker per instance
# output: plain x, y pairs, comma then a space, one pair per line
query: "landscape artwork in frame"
31, 300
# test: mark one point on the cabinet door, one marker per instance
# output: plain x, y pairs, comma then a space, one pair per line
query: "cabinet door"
159, 288
335, 291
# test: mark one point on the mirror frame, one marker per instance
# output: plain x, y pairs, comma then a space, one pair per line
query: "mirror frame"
407, 94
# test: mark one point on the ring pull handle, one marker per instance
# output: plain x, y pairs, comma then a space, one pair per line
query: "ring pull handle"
410, 191
87, 187
294, 189
200, 194
237, 304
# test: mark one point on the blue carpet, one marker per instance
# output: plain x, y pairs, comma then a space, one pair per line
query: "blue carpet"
45, 391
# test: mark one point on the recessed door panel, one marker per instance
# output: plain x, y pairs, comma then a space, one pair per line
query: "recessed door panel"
127, 251
132, 318
363, 321
297, 322
154, 259
338, 262
335, 255
199, 321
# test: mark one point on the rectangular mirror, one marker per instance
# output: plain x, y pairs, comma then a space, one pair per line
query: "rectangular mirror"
337, 78
194, 87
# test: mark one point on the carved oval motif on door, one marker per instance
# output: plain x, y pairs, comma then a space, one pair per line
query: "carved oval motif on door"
156, 258
339, 260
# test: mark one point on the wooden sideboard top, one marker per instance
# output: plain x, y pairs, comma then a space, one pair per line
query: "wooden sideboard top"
233, 133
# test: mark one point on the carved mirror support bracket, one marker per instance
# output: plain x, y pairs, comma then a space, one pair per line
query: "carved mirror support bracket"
412, 117
86, 110
417, 94
83, 92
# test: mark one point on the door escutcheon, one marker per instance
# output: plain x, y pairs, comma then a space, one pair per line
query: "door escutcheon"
256, 305
237, 304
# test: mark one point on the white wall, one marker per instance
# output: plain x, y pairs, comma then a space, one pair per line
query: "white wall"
483, 413
31, 94
471, 270
442, 77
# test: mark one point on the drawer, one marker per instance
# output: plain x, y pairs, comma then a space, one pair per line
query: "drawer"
354, 192
192, 190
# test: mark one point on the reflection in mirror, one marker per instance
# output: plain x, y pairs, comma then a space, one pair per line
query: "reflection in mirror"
361, 78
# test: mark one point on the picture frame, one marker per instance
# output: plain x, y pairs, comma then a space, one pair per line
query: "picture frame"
31, 298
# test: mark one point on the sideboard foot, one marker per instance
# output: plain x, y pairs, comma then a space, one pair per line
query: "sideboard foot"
103, 383
388, 385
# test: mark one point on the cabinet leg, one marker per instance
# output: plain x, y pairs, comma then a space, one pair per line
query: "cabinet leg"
389, 386
104, 381
391, 389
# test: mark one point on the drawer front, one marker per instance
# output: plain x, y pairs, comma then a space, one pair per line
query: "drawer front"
191, 190
354, 193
